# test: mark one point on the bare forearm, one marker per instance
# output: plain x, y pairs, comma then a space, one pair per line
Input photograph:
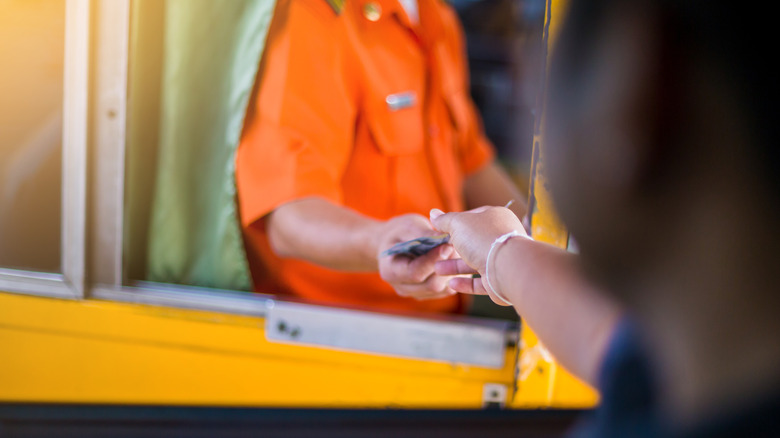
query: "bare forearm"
544, 284
492, 186
320, 232
573, 319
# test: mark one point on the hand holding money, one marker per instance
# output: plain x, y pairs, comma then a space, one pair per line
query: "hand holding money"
408, 252
475, 234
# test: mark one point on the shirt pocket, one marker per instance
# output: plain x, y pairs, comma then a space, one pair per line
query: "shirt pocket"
396, 122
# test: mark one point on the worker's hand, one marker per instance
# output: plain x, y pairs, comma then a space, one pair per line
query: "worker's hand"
472, 233
413, 277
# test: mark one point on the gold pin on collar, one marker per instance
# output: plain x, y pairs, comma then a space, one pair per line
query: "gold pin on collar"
372, 11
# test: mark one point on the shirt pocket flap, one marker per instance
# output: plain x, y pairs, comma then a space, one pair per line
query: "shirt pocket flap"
396, 123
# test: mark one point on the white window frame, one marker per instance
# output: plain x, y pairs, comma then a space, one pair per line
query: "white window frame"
108, 122
97, 41
70, 282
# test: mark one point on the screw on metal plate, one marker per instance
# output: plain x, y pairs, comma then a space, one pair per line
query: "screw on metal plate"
494, 396
293, 332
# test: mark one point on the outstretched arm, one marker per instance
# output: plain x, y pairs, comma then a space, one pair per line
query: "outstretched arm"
574, 320
318, 231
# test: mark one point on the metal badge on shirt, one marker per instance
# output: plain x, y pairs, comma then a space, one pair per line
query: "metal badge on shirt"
400, 101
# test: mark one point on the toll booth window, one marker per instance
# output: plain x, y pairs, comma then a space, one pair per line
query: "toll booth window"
192, 74
31, 101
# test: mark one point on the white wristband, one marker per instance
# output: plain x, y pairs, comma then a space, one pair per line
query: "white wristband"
491, 254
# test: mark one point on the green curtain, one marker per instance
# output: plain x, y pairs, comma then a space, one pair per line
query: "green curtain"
192, 70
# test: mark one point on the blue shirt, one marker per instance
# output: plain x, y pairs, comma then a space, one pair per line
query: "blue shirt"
630, 405
628, 397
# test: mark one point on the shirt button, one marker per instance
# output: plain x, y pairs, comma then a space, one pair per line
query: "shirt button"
372, 11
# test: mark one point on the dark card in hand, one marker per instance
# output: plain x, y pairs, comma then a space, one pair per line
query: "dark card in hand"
417, 247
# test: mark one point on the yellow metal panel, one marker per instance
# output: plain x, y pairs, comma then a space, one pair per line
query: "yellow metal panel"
102, 352
541, 380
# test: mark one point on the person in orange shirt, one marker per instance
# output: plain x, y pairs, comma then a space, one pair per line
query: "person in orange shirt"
360, 123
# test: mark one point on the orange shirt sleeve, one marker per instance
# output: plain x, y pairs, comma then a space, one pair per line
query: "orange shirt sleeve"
300, 125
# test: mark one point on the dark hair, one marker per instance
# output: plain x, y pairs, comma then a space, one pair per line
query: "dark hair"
739, 38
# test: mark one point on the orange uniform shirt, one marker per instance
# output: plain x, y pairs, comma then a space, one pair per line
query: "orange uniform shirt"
367, 110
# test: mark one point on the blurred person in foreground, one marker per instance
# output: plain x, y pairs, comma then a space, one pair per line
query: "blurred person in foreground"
663, 162
361, 122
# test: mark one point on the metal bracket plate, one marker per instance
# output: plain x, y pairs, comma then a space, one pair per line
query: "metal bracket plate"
480, 343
